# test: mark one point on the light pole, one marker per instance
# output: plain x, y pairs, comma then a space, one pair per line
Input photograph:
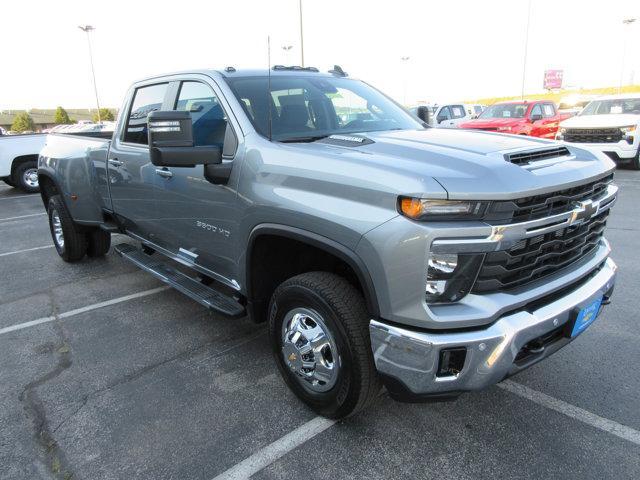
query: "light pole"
405, 61
526, 48
626, 24
88, 29
301, 36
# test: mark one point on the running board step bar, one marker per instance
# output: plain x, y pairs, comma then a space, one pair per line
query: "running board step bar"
191, 287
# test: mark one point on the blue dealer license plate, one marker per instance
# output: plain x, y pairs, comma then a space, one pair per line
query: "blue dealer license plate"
586, 317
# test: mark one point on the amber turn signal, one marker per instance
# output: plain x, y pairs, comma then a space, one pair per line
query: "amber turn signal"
411, 207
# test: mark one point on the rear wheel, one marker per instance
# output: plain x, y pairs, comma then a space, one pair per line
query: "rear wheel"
69, 238
319, 329
25, 177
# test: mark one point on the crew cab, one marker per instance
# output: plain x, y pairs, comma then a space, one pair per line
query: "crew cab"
611, 125
378, 250
19, 160
533, 118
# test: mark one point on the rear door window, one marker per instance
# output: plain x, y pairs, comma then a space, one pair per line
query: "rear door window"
208, 117
145, 100
549, 110
457, 111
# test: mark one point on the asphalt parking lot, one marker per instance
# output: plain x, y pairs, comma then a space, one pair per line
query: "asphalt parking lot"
106, 375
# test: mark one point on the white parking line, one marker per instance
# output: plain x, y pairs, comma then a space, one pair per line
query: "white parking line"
577, 413
25, 250
78, 311
276, 450
272, 452
19, 196
23, 216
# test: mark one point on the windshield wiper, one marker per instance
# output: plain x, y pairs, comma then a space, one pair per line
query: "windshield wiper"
308, 139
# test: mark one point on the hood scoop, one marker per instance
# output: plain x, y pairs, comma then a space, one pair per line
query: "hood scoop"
525, 159
347, 140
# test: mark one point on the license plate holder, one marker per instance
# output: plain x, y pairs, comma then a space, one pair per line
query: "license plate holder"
584, 317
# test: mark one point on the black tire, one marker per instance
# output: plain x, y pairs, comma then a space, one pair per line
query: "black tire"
343, 310
98, 243
21, 174
74, 238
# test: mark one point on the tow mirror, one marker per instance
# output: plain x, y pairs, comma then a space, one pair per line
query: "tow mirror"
170, 136
423, 114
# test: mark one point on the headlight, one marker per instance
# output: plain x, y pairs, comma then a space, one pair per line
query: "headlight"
562, 131
450, 276
503, 129
440, 210
629, 129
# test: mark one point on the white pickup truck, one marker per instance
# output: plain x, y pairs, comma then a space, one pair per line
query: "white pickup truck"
610, 125
19, 160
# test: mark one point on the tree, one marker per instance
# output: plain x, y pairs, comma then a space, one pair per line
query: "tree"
105, 115
23, 122
61, 117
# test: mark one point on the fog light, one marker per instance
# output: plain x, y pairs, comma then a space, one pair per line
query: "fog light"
451, 361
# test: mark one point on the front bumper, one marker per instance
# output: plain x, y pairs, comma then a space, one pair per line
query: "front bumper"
623, 150
408, 359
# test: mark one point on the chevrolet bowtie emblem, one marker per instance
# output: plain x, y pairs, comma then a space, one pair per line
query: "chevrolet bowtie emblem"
292, 357
582, 212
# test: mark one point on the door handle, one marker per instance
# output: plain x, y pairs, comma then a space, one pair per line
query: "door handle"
115, 162
163, 172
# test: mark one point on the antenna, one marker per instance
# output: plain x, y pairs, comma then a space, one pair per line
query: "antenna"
269, 81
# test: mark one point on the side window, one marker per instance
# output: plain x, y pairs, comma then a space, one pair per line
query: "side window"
457, 111
536, 110
549, 110
207, 115
443, 115
145, 100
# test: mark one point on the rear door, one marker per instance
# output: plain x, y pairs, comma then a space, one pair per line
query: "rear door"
458, 115
132, 181
198, 218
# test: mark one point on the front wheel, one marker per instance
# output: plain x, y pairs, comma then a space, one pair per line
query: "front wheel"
69, 238
25, 177
635, 163
319, 329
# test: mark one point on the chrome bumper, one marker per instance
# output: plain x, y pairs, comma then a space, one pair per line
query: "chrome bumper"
408, 359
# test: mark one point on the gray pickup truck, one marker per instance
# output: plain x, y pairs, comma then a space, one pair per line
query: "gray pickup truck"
380, 251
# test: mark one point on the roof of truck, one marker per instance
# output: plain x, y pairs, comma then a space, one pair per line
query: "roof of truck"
231, 72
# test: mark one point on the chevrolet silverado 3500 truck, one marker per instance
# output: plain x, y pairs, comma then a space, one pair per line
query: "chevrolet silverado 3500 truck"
379, 250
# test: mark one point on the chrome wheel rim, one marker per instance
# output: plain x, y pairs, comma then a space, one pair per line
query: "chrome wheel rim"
309, 350
56, 224
30, 177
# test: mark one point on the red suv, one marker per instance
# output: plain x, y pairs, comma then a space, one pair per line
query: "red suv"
537, 119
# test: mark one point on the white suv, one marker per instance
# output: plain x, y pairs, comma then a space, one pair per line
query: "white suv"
610, 124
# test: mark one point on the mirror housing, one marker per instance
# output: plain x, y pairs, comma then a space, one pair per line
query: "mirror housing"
536, 117
170, 135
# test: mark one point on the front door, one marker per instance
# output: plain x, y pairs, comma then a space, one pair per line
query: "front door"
199, 219
132, 179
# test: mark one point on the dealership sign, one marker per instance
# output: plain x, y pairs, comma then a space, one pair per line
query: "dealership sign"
553, 79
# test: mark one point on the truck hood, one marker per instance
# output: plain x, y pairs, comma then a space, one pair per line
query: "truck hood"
603, 121
491, 122
467, 164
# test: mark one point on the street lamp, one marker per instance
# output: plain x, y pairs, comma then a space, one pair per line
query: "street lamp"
405, 61
88, 29
301, 36
287, 49
626, 23
526, 48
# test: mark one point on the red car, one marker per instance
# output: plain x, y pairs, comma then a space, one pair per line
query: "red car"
536, 118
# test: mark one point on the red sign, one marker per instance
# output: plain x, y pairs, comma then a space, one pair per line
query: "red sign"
553, 79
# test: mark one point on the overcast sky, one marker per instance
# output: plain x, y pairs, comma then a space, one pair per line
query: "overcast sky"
459, 49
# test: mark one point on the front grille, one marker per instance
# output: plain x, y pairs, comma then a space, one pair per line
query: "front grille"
525, 158
541, 206
593, 135
540, 256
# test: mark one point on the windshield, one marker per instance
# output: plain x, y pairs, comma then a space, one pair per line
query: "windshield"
507, 110
307, 107
620, 105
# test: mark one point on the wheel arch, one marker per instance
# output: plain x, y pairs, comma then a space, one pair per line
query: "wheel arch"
323, 245
20, 159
